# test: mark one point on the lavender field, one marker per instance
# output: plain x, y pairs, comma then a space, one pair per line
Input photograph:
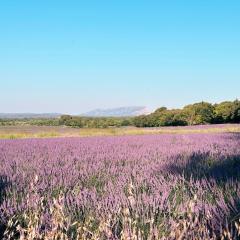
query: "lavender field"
169, 186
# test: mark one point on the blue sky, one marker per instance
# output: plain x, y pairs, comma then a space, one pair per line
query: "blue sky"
74, 56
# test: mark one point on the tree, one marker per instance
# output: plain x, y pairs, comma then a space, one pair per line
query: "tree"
160, 110
170, 118
144, 121
235, 116
199, 113
64, 119
223, 112
227, 112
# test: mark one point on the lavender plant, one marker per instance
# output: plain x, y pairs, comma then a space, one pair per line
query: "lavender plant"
128, 187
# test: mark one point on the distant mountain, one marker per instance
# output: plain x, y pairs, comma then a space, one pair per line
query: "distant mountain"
28, 115
112, 112
117, 112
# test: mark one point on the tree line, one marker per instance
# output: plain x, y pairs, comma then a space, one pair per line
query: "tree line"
193, 114
95, 122
71, 121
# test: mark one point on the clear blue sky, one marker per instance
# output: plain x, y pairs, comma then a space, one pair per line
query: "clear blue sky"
74, 56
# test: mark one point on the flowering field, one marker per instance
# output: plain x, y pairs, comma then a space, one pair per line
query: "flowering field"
169, 186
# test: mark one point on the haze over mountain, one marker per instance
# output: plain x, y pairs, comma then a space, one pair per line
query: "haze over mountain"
28, 115
117, 112
111, 112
